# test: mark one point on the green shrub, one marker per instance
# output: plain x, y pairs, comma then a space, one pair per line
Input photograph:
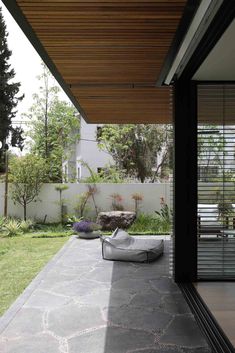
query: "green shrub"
70, 219
144, 223
12, 227
109, 174
164, 225
164, 216
2, 222
164, 213
26, 226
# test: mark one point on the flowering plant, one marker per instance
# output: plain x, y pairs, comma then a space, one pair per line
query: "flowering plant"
138, 198
116, 202
85, 226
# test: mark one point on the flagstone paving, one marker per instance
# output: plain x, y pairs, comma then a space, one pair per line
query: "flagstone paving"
81, 303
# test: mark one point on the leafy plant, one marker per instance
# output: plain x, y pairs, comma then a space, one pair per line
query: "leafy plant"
26, 226
81, 205
116, 202
54, 126
146, 223
165, 215
139, 149
12, 227
2, 222
27, 175
70, 219
109, 174
225, 206
61, 188
86, 226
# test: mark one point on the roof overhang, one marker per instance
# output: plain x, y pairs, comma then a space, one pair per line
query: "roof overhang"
205, 51
107, 55
204, 15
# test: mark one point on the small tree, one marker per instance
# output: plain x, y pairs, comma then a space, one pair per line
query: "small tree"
92, 190
27, 175
61, 188
117, 202
138, 198
81, 204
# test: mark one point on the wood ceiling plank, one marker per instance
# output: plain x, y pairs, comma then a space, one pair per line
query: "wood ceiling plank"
126, 105
105, 50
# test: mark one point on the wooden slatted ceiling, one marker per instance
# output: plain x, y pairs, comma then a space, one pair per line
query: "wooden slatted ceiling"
110, 53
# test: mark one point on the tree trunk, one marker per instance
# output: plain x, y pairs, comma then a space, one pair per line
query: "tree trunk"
96, 208
6, 186
46, 113
158, 167
25, 209
61, 207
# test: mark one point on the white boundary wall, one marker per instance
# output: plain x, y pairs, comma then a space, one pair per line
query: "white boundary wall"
49, 199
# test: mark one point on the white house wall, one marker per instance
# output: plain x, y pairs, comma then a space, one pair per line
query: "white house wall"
88, 150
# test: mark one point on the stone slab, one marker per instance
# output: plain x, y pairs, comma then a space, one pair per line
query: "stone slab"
80, 303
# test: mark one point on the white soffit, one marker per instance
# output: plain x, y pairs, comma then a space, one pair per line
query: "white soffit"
200, 23
220, 63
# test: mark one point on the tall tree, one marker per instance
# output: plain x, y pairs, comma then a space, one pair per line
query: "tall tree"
8, 97
54, 125
211, 150
139, 149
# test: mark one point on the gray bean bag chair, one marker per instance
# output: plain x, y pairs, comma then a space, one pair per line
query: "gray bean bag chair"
123, 247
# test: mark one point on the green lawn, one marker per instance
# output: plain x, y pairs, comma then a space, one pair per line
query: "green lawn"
21, 258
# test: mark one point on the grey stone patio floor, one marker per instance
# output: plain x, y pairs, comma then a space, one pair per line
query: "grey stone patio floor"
81, 303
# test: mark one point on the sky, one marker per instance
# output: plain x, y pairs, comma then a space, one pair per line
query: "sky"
25, 61
27, 65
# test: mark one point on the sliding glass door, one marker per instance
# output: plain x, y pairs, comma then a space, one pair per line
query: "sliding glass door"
216, 181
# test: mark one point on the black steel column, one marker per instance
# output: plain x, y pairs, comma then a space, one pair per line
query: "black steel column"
185, 181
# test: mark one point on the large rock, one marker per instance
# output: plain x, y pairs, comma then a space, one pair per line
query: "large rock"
113, 219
